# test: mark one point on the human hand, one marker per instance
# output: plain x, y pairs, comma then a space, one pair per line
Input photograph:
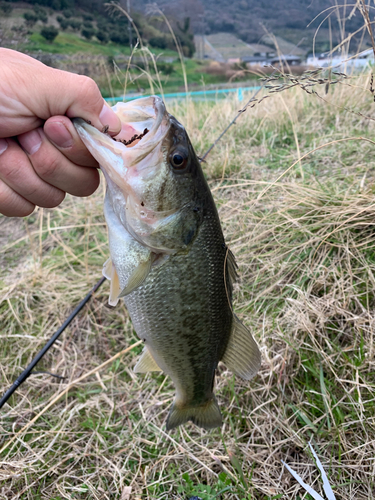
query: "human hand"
41, 154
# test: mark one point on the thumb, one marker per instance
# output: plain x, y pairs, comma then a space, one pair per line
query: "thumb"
78, 97
31, 92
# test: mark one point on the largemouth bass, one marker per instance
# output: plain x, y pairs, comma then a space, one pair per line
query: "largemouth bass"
168, 257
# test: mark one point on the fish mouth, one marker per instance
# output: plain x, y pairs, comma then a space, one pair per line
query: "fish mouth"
133, 162
145, 123
141, 120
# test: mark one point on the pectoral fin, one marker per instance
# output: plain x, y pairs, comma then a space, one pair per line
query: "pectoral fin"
137, 277
146, 363
110, 273
242, 355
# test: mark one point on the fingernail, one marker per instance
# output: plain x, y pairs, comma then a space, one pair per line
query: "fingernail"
3, 145
58, 134
30, 141
109, 117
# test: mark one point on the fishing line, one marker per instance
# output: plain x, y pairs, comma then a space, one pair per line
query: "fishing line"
28, 371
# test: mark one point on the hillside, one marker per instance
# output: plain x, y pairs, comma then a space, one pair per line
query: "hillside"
250, 20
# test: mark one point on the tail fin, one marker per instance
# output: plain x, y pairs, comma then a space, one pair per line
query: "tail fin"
207, 415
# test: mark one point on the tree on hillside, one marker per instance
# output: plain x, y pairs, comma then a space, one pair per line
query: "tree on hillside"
67, 13
64, 23
186, 38
88, 33
49, 33
75, 24
102, 36
30, 19
6, 8
41, 14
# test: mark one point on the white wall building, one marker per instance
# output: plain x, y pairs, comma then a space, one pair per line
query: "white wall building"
344, 64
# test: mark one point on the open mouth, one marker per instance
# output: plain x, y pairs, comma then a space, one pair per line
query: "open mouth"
139, 118
144, 125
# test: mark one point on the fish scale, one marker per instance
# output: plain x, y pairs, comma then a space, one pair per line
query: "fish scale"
182, 311
169, 259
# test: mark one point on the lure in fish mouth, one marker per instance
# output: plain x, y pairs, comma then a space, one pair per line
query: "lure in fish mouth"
168, 257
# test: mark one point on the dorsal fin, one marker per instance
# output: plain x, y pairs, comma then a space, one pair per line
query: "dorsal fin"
242, 355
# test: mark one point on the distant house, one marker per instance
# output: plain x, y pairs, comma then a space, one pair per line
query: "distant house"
342, 62
260, 60
283, 46
286, 59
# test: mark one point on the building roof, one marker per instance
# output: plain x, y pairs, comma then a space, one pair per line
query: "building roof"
283, 46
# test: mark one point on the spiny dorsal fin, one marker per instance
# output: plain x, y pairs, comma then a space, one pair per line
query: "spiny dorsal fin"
242, 355
146, 363
110, 273
137, 277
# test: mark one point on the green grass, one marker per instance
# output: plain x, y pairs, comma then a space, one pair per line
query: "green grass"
83, 55
70, 43
305, 250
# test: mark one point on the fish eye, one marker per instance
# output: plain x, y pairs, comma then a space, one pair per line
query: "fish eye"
178, 160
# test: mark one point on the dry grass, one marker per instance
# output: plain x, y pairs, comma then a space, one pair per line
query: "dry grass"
305, 247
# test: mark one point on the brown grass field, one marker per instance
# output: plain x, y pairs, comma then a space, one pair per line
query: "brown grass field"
303, 233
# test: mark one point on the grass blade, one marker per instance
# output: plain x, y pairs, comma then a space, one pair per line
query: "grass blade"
326, 486
308, 488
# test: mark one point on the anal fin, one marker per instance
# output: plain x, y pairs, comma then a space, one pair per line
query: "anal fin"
242, 355
146, 363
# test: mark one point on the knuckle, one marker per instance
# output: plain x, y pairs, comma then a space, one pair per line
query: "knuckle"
88, 88
13, 168
54, 199
48, 168
12, 205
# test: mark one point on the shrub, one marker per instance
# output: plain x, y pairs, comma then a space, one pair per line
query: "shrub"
120, 37
88, 24
41, 14
64, 24
30, 19
159, 42
67, 13
102, 36
88, 17
103, 25
75, 24
165, 68
88, 33
6, 8
55, 5
49, 33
